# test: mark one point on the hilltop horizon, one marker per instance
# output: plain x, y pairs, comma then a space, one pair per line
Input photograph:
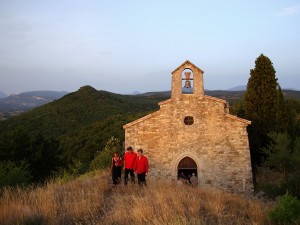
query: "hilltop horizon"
132, 92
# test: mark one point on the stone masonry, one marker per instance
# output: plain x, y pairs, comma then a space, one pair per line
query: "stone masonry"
217, 141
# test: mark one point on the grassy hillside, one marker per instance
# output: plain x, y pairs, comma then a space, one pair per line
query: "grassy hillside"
92, 200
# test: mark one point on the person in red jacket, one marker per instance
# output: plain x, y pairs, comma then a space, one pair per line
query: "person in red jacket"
141, 167
129, 165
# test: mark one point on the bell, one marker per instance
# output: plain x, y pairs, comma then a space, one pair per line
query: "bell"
187, 84
187, 75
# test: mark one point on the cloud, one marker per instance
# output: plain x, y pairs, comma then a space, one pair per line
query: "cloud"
289, 11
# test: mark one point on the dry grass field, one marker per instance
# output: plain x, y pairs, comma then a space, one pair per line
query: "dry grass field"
92, 200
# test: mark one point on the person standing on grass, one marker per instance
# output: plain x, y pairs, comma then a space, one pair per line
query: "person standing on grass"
116, 168
194, 180
129, 163
141, 167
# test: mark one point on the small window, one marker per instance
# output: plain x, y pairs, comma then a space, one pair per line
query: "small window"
188, 120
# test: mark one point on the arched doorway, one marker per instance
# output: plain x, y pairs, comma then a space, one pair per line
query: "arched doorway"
186, 167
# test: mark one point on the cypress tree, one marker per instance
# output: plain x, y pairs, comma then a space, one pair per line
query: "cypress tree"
286, 116
282, 115
260, 105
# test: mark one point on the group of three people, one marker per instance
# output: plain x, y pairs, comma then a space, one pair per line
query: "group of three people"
133, 163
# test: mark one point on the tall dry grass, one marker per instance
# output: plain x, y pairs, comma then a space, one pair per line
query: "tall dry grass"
75, 202
92, 200
166, 204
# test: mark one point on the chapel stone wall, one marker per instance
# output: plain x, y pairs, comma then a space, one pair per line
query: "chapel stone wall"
218, 144
216, 141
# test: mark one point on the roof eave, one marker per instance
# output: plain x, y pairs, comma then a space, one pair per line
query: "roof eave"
187, 61
140, 119
246, 122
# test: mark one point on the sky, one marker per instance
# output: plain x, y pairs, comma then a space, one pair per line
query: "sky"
134, 45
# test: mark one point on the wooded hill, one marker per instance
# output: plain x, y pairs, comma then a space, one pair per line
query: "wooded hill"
79, 109
71, 129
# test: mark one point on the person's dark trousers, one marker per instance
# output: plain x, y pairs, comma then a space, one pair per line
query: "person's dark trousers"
142, 179
116, 180
127, 172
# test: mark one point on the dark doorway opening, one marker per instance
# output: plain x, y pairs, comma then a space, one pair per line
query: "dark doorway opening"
186, 168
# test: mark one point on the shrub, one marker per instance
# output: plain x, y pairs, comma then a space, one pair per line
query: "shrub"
271, 190
75, 169
12, 174
293, 184
103, 159
287, 211
283, 155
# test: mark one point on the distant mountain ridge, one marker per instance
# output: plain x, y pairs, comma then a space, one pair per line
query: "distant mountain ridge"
136, 93
28, 100
16, 104
45, 94
2, 94
231, 96
238, 88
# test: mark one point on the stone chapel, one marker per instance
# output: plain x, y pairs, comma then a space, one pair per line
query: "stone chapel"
194, 133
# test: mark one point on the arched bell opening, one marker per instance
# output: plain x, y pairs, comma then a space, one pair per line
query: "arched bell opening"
187, 81
186, 167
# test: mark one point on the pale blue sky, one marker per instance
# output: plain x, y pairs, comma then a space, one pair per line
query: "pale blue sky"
123, 46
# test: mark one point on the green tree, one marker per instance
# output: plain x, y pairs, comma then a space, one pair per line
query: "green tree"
41, 154
287, 211
294, 108
280, 153
238, 109
283, 155
12, 174
260, 104
103, 159
285, 118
